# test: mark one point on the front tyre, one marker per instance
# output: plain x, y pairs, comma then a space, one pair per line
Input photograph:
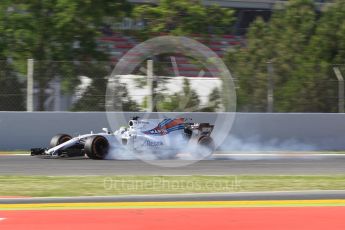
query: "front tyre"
59, 139
96, 147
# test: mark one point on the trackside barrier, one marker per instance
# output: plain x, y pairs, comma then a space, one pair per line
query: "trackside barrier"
250, 131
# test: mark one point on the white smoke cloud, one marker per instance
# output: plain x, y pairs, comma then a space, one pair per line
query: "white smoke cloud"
182, 150
233, 144
255, 143
120, 153
254, 148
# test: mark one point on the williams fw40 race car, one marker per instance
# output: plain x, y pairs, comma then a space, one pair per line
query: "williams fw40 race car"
152, 135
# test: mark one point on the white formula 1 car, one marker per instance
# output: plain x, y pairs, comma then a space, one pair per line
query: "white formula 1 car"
157, 136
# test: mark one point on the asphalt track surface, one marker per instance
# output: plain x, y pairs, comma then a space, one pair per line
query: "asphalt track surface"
221, 165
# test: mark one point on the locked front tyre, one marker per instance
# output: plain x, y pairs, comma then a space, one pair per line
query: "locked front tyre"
96, 147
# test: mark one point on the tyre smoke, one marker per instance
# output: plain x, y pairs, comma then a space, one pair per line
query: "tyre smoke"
180, 149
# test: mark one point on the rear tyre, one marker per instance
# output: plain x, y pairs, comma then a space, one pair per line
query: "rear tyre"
207, 146
96, 147
59, 139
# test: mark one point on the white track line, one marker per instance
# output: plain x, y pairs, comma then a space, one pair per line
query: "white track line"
2, 219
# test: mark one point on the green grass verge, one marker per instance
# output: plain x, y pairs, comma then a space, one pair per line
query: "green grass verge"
48, 186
